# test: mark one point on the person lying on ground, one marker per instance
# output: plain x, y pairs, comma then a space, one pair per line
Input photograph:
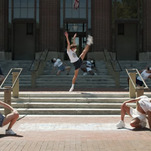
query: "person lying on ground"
143, 109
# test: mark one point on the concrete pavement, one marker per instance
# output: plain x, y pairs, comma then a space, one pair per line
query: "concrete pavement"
74, 133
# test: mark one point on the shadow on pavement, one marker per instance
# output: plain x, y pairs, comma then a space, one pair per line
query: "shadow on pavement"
136, 129
141, 129
4, 135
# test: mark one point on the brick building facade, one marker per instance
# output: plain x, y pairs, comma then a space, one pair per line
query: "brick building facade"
49, 25
41, 25
3, 25
101, 24
147, 25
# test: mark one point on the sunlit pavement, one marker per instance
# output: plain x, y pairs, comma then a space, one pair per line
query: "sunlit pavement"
74, 133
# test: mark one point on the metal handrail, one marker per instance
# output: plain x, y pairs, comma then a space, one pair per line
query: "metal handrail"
116, 60
30, 68
39, 60
136, 88
113, 60
10, 71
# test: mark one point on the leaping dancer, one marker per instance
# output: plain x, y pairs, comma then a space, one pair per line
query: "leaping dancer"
77, 61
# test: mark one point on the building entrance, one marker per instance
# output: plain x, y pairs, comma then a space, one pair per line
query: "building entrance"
23, 41
126, 41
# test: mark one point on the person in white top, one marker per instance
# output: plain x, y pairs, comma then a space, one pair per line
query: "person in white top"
77, 61
59, 64
145, 74
143, 109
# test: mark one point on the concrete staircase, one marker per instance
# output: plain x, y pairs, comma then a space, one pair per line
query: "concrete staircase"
101, 79
49, 79
25, 77
75, 103
6, 65
82, 82
65, 103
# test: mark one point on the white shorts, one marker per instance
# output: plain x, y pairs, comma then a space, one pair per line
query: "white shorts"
135, 114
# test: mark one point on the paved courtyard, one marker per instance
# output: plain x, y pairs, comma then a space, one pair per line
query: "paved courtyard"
74, 133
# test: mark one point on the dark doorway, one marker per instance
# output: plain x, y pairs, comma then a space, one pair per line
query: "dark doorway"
126, 41
24, 40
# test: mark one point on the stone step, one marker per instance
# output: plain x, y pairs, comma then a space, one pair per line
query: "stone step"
6, 65
67, 105
66, 111
100, 68
67, 86
64, 81
69, 100
49, 78
66, 94
73, 95
71, 76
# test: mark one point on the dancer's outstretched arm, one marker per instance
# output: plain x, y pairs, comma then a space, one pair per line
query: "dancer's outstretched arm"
73, 38
67, 38
6, 106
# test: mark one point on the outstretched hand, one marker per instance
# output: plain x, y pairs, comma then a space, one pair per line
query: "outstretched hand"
74, 35
66, 33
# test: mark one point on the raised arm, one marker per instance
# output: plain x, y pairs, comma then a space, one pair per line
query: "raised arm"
67, 38
6, 106
130, 101
73, 38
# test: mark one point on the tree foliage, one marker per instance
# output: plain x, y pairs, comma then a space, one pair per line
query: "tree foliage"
127, 8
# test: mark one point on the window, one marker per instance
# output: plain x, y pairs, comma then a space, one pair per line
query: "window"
23, 9
127, 9
67, 11
70, 12
74, 27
